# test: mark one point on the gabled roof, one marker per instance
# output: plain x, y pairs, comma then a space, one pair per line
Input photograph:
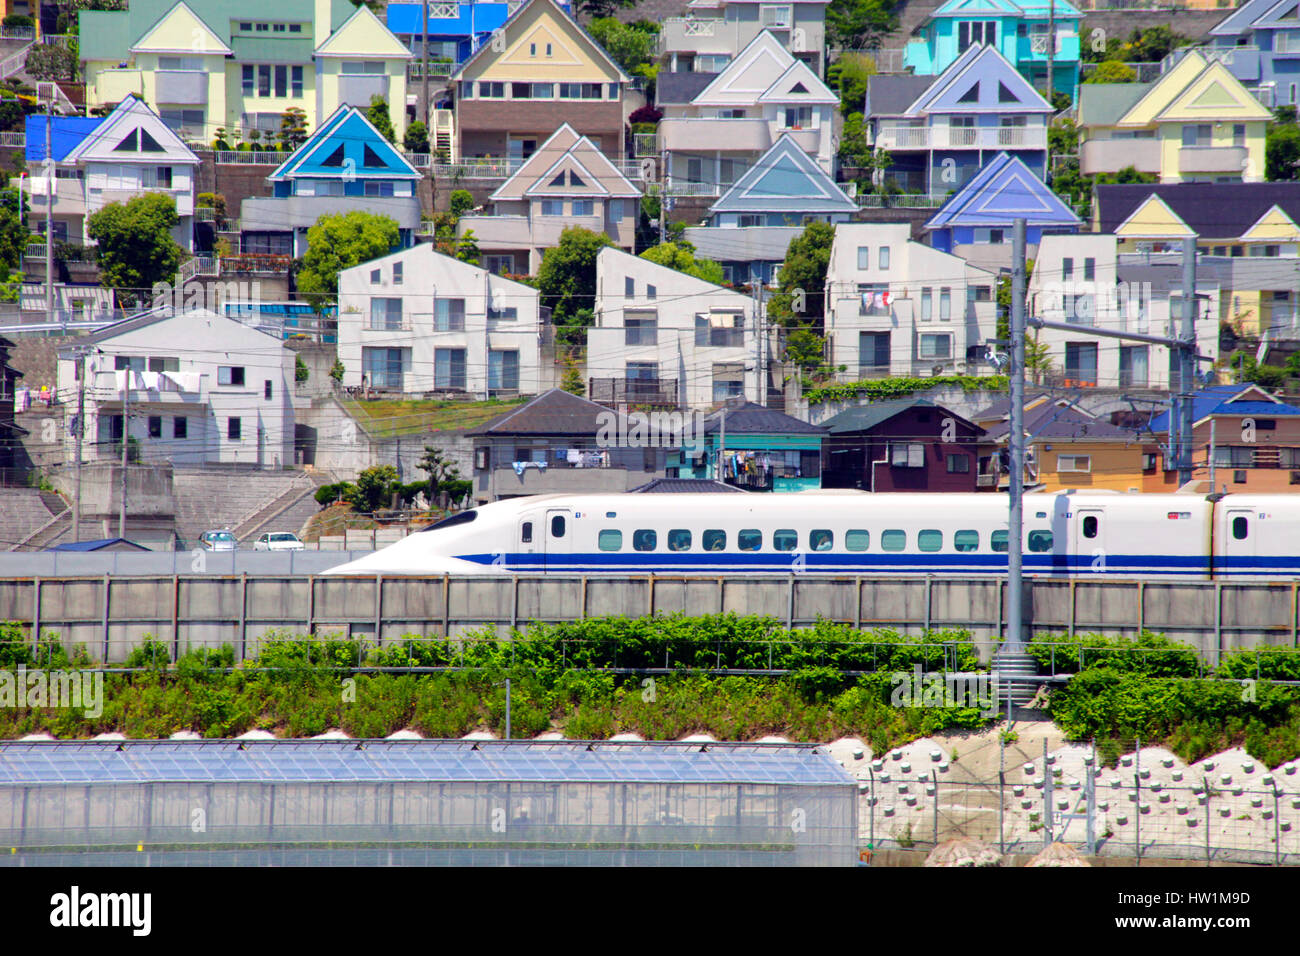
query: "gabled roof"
670, 281
1194, 90
764, 68
785, 178
555, 412
890, 94
1276, 15
1241, 19
132, 132
981, 80
567, 164
116, 544
1060, 422
798, 84
1004, 190
514, 37
1210, 210
1006, 8
863, 418
364, 34
346, 144
685, 486
181, 23
157, 316
1240, 399
751, 418
680, 86
1102, 104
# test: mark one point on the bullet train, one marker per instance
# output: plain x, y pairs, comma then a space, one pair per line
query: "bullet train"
1066, 534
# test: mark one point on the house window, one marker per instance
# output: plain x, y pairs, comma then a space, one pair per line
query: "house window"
640, 329
449, 315
907, 455
155, 426
945, 305
552, 207
864, 257
156, 177
927, 305
503, 370
936, 346
728, 380
247, 80
384, 368
1133, 366
649, 291
1081, 463
775, 17
491, 91
385, 314
295, 82
233, 429
267, 389
230, 375
397, 273
1089, 270
377, 188
884, 257
873, 298
746, 220
873, 350
629, 287
365, 68
1067, 269
798, 117
1198, 134
1081, 362
180, 427
264, 79
449, 368
375, 277
584, 207
1238, 134
958, 464
970, 32
162, 363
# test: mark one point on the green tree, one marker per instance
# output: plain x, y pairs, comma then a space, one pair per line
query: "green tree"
567, 279
136, 249
416, 139
800, 299
51, 61
1112, 71
13, 234
860, 24
596, 9
444, 484
301, 373
341, 241
626, 45
293, 127
461, 201
374, 489
379, 118
337, 371
848, 75
1282, 152
681, 256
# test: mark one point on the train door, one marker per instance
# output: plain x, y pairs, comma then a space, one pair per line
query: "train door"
1238, 540
558, 537
528, 541
1090, 540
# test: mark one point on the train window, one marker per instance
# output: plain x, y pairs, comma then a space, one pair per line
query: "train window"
465, 517
526, 532
857, 540
821, 540
679, 539
644, 540
966, 540
1090, 526
929, 540
1240, 527
1040, 541
715, 541
557, 526
610, 540
749, 540
893, 540
785, 539
1000, 540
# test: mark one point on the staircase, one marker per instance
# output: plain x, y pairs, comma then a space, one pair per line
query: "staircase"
442, 138
208, 498
288, 512
24, 514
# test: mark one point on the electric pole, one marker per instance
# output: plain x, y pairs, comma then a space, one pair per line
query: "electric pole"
81, 430
50, 186
1187, 364
424, 64
1016, 441
1051, 44
758, 329
126, 442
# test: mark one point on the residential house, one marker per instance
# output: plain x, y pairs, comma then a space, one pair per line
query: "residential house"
714, 31
754, 448
939, 138
1196, 123
417, 322
455, 29
749, 229
347, 165
1243, 439
567, 182
542, 72
1018, 29
977, 222
710, 141
202, 389
907, 444
1081, 280
238, 65
1065, 447
1259, 43
97, 162
559, 443
13, 457
666, 338
898, 307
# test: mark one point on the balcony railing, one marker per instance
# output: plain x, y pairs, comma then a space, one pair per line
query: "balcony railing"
488, 168
232, 157
900, 201
633, 391
889, 136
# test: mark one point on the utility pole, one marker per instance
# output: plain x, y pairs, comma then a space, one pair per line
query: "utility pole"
50, 186
1213, 476
1051, 45
1187, 363
424, 63
126, 444
81, 430
1016, 439
758, 329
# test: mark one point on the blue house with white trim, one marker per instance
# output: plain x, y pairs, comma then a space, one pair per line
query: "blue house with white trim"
346, 166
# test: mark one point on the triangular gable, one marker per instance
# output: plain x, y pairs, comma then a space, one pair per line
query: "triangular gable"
134, 124
785, 178
567, 176
985, 69
752, 73
1163, 91
181, 30
1003, 191
566, 154
1274, 226
1281, 14
1215, 95
523, 21
798, 84
1242, 18
1153, 219
615, 263
349, 130
362, 34
965, 8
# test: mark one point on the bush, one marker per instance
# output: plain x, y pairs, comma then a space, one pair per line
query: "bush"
645, 114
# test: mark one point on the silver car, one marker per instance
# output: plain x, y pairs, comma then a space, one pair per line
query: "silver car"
223, 540
278, 541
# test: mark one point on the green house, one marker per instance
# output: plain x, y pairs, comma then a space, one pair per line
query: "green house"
754, 448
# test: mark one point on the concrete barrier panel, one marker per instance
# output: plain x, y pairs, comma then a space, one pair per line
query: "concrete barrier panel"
618, 597
897, 603
767, 597
551, 599
832, 599
345, 599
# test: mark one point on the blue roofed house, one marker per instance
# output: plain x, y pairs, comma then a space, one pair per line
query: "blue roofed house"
345, 166
1018, 29
750, 227
976, 222
940, 136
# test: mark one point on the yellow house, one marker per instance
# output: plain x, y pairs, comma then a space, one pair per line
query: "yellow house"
1197, 123
239, 65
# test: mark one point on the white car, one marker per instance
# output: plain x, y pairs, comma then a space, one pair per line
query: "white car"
222, 540
278, 541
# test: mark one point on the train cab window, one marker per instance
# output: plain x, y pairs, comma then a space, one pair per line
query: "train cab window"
679, 539
785, 539
526, 532
821, 540
1000, 541
749, 540
893, 540
1090, 524
929, 540
610, 540
966, 541
857, 540
1240, 527
557, 526
715, 541
644, 540
1040, 541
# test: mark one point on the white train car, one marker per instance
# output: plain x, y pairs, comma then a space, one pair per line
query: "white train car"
1080, 533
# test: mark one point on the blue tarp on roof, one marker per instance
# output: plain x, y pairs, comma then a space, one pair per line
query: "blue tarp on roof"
1218, 401
68, 132
474, 18
95, 545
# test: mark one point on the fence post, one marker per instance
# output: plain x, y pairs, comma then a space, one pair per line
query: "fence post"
871, 808
929, 581
1137, 818
311, 605
36, 614
243, 616
1206, 781
176, 616
1048, 796
934, 776
1002, 793
107, 584
1277, 825
789, 605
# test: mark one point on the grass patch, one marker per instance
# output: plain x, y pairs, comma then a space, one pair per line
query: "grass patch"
388, 418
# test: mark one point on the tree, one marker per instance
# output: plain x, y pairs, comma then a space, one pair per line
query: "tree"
681, 256
596, 9
337, 371
293, 127
341, 241
567, 278
51, 61
379, 118
1282, 152
416, 139
374, 489
803, 279
461, 201
626, 45
1112, 71
301, 373
848, 75
860, 24
136, 249
444, 485
13, 234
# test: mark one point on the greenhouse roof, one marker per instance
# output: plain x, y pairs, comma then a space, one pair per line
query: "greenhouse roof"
309, 761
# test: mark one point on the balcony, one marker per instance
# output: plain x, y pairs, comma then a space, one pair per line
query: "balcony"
689, 35
182, 87
689, 134
890, 136
357, 89
146, 387
1213, 159
1112, 155
633, 391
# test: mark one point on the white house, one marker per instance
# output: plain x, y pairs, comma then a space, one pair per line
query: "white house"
417, 321
201, 388
898, 307
664, 337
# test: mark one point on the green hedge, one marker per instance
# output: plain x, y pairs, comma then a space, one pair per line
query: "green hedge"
884, 388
